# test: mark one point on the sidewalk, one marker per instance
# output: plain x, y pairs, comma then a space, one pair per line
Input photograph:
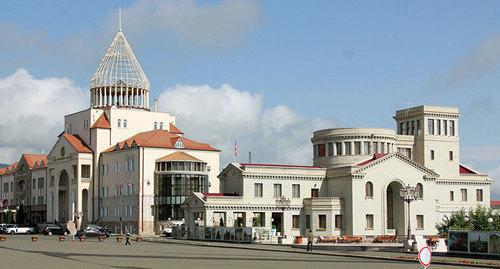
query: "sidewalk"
397, 256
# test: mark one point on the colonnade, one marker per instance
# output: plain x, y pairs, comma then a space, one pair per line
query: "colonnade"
119, 96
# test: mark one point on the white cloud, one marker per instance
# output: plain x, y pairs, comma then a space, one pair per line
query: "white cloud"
481, 60
224, 23
221, 116
32, 112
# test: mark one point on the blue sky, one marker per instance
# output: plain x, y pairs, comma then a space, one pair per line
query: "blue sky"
351, 62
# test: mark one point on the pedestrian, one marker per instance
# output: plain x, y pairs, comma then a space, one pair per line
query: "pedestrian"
127, 239
310, 238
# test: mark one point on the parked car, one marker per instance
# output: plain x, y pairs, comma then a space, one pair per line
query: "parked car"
16, 229
51, 230
92, 231
4, 226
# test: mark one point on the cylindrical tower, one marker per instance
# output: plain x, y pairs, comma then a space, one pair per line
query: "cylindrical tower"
349, 146
119, 80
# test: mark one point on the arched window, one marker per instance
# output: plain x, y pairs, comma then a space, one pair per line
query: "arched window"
124, 124
420, 191
156, 125
161, 125
119, 123
369, 190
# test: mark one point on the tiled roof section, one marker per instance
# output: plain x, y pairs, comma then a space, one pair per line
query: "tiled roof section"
160, 139
495, 203
174, 129
208, 194
35, 160
11, 168
464, 170
102, 122
76, 142
178, 156
2, 170
278, 165
375, 157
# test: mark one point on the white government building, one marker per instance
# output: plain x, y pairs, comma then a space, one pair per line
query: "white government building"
354, 186
123, 166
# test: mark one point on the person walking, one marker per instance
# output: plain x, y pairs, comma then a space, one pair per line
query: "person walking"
310, 239
127, 239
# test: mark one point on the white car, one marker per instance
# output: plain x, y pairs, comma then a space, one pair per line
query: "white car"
15, 229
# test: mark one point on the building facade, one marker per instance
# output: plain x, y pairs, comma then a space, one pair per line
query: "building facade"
360, 172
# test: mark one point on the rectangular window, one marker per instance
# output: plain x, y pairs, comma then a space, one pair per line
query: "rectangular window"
412, 127
369, 221
117, 168
34, 184
321, 150
375, 147
257, 190
330, 149
432, 154
321, 221
401, 128
348, 149
407, 131
6, 187
452, 196
430, 126
464, 195
451, 155
40, 183
420, 221
338, 145
295, 191
314, 192
445, 127
258, 219
438, 127
277, 190
479, 195
308, 221
452, 127
367, 148
295, 221
33, 201
357, 148
85, 171
338, 222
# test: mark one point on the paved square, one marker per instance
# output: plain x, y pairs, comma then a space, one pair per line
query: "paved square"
19, 252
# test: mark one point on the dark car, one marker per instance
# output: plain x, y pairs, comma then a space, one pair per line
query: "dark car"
92, 231
4, 227
55, 231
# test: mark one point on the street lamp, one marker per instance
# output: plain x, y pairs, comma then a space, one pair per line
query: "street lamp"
408, 194
283, 203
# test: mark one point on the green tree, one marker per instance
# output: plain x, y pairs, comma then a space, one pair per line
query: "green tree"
479, 219
10, 217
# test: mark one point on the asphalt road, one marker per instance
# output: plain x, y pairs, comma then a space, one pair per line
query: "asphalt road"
19, 252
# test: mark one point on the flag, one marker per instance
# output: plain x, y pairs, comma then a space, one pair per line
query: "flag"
235, 150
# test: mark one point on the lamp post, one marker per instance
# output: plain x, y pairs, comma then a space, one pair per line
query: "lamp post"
283, 203
408, 194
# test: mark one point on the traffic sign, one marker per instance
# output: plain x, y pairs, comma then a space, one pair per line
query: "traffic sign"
424, 256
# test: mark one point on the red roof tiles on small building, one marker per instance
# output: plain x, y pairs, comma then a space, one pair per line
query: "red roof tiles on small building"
34, 160
76, 142
464, 170
375, 157
495, 203
174, 129
160, 139
278, 165
102, 122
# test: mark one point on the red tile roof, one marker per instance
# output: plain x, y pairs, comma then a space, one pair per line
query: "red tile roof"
278, 165
208, 194
2, 170
375, 157
174, 129
10, 168
178, 156
34, 160
464, 170
76, 142
160, 139
102, 122
495, 203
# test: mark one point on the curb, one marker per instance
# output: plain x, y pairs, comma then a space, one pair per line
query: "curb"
252, 247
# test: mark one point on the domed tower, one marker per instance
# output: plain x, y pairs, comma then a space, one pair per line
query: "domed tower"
119, 80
